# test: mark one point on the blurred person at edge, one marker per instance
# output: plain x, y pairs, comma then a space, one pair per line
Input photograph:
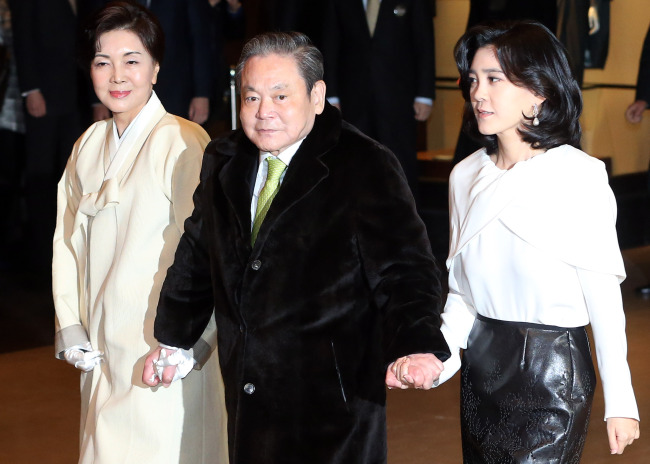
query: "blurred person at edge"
634, 114
45, 41
12, 141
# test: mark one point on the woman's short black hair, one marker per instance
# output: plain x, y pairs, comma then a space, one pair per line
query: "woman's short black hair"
126, 16
531, 57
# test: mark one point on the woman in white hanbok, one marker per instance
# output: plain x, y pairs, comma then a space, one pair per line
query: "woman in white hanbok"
122, 202
533, 259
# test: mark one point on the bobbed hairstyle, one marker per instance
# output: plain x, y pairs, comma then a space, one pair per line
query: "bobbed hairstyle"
122, 16
294, 44
530, 57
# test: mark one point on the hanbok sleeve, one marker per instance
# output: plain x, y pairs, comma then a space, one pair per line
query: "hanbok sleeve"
185, 179
605, 306
67, 286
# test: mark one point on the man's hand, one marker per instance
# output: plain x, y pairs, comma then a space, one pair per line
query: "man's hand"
414, 371
35, 103
621, 432
199, 109
634, 112
422, 111
149, 375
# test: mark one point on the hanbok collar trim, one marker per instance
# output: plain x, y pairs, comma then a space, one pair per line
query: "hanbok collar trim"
119, 148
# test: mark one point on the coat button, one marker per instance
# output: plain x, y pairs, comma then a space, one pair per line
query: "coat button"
255, 265
249, 388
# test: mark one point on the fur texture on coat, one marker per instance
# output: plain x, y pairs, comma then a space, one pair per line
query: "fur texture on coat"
341, 281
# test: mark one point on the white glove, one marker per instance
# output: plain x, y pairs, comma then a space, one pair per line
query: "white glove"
83, 356
182, 359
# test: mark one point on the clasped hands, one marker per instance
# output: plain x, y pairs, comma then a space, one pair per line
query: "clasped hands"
419, 371
166, 365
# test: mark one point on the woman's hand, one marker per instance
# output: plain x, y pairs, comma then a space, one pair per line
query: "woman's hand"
621, 432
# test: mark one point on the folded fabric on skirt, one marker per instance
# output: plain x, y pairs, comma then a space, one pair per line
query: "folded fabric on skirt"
526, 393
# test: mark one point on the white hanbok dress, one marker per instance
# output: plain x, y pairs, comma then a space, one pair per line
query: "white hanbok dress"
121, 209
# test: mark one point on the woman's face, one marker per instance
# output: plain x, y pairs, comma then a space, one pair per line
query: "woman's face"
123, 74
498, 104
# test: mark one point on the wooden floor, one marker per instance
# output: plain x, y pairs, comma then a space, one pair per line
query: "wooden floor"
39, 395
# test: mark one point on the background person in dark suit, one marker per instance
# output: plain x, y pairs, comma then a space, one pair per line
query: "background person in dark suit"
44, 34
12, 141
385, 81
634, 114
186, 81
313, 305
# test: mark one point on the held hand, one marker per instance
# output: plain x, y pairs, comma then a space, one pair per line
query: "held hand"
199, 109
35, 103
392, 381
414, 371
634, 112
150, 373
621, 432
422, 111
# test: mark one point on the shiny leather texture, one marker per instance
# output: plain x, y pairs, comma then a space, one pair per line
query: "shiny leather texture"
526, 393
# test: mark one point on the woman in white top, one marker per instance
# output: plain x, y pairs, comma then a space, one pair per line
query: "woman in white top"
533, 259
122, 201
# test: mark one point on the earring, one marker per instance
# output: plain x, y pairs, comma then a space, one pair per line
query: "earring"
535, 113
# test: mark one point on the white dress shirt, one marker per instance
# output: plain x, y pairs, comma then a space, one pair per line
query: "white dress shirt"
285, 156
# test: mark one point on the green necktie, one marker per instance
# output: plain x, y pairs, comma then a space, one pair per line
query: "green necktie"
271, 187
372, 12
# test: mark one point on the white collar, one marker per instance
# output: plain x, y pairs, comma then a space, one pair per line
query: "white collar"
286, 155
119, 147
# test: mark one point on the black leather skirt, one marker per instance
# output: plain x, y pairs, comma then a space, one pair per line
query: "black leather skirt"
526, 393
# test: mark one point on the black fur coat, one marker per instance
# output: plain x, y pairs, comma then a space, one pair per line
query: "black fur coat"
340, 282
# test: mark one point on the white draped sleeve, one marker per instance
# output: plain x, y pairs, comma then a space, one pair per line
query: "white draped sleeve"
605, 305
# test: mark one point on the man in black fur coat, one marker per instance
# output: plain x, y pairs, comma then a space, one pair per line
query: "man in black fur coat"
313, 306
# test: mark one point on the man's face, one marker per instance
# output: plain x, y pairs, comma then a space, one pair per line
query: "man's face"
276, 110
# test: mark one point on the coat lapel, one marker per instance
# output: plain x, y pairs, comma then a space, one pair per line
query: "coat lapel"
237, 180
305, 171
